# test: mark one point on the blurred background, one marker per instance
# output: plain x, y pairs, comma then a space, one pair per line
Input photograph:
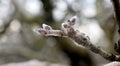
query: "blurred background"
20, 46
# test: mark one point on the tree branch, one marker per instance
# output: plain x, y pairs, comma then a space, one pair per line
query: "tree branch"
48, 7
116, 5
68, 31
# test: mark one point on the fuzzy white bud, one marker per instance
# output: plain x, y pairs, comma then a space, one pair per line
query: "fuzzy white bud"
46, 27
72, 20
65, 25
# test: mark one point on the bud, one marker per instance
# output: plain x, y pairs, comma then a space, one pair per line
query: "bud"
65, 25
46, 27
72, 20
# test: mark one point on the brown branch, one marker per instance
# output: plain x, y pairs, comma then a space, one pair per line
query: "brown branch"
116, 5
84, 41
48, 7
80, 38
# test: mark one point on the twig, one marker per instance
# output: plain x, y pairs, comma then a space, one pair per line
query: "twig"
68, 31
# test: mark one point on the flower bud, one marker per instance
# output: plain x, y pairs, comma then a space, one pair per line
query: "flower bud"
65, 25
72, 20
46, 27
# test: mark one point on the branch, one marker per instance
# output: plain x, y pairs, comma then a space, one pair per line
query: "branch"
48, 7
116, 5
68, 31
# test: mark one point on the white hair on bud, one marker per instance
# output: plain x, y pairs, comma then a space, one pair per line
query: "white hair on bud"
65, 25
74, 17
46, 27
72, 20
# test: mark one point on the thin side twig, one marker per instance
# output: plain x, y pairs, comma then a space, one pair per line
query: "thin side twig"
77, 36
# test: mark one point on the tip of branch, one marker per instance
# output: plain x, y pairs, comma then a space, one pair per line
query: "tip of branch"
40, 31
46, 27
72, 20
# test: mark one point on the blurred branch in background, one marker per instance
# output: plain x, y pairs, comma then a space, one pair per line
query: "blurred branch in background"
116, 5
7, 12
48, 7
